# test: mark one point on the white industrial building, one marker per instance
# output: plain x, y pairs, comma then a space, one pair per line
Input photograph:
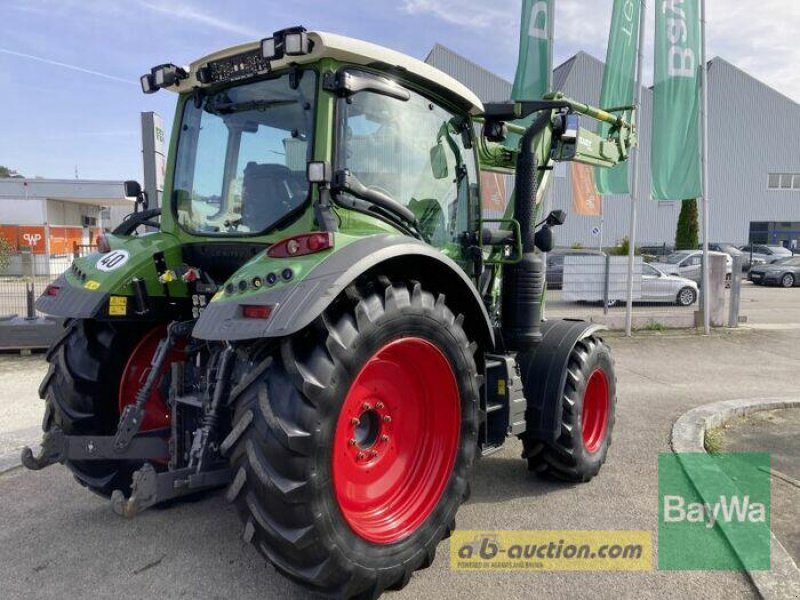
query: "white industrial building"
52, 218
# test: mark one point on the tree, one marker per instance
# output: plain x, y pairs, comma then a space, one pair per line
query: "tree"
686, 235
5, 253
4, 172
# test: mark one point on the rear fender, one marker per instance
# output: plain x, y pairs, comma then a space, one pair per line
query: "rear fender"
296, 306
83, 291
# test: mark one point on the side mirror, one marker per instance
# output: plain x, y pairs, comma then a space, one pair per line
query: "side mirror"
556, 218
439, 162
132, 189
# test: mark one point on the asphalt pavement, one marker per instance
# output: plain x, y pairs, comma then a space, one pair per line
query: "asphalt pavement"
57, 540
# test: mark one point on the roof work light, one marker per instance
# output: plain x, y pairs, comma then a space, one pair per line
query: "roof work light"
287, 42
162, 76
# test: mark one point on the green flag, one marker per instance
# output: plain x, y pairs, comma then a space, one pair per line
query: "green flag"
535, 51
675, 162
619, 83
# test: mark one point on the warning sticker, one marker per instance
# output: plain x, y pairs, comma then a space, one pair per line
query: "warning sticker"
117, 306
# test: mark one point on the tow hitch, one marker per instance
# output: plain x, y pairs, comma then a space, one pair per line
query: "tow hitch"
193, 465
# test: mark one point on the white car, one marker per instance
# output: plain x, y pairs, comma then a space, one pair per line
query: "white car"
660, 287
689, 264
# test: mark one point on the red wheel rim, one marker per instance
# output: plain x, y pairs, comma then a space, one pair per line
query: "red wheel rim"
156, 410
595, 411
396, 440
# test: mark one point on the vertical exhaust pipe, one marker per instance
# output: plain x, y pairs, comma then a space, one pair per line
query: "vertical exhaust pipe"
524, 283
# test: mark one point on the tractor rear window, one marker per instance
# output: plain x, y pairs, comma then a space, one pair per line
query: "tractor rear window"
242, 155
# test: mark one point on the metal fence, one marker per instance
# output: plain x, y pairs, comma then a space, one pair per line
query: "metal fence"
26, 277
592, 285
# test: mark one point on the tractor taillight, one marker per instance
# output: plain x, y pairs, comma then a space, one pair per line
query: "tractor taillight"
252, 311
103, 247
52, 290
301, 245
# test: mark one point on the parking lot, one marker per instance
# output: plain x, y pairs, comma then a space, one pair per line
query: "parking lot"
57, 540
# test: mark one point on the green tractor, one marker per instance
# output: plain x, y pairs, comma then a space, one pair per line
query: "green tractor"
324, 317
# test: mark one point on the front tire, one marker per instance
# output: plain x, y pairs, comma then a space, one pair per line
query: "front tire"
588, 404
353, 440
686, 297
787, 280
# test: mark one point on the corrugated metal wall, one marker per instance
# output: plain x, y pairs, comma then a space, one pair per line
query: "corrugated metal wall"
754, 131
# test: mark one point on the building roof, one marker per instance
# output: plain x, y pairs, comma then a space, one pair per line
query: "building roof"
79, 191
488, 86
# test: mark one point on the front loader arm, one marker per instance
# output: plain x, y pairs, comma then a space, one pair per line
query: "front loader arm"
569, 141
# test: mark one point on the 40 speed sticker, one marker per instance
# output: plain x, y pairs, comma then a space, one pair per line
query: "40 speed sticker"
113, 260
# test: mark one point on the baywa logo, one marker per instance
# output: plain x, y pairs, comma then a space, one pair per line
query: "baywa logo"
735, 509
714, 511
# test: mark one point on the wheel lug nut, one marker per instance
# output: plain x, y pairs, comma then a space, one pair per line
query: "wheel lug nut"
384, 438
387, 419
366, 406
373, 453
352, 442
361, 456
354, 422
379, 405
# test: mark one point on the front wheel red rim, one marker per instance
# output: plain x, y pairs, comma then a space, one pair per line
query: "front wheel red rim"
595, 411
396, 440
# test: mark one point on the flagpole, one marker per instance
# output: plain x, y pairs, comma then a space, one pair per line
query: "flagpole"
704, 78
635, 169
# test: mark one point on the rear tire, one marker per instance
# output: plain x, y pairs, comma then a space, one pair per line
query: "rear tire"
588, 405
298, 482
80, 391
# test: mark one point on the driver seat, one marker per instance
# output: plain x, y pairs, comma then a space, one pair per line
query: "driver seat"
269, 193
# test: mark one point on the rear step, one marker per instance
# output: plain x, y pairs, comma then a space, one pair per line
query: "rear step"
503, 404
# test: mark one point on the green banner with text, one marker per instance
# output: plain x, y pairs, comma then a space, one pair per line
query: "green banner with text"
619, 83
535, 50
675, 162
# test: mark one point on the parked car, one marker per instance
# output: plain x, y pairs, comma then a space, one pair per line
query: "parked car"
555, 264
657, 286
651, 253
689, 264
725, 247
784, 272
763, 254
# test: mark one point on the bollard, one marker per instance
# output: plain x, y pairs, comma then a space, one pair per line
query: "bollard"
31, 316
736, 292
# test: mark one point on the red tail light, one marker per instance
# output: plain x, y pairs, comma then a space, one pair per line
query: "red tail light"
103, 246
52, 290
251, 311
301, 245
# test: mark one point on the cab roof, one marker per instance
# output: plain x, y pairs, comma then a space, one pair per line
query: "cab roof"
357, 52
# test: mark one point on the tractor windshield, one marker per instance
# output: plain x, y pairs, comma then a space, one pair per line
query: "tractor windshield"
242, 155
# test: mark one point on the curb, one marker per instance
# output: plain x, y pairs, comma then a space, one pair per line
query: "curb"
782, 581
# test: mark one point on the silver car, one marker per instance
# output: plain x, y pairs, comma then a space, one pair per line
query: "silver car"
660, 287
689, 264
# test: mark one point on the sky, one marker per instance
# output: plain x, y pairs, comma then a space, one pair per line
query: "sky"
69, 69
